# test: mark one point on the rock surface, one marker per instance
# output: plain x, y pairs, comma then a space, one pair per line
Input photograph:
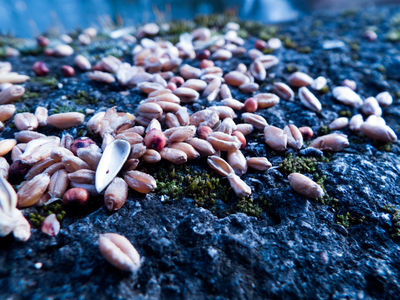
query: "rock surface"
346, 248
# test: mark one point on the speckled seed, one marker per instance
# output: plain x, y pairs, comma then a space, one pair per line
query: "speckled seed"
29, 192
236, 78
378, 131
66, 120
300, 79
259, 163
305, 186
140, 182
116, 194
347, 96
338, 123
26, 121
283, 91
275, 138
384, 99
294, 136
355, 123
119, 252
266, 100
309, 100
6, 146
6, 111
331, 142
256, 120
371, 107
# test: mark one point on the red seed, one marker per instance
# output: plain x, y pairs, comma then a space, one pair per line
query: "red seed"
241, 138
206, 63
203, 54
67, 71
171, 86
82, 142
49, 52
250, 105
42, 41
155, 139
204, 131
40, 68
178, 80
76, 196
306, 132
260, 45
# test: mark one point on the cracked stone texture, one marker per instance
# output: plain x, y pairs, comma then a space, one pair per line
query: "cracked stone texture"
296, 249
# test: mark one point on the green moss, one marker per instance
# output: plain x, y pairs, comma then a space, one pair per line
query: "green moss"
243, 33
84, 99
381, 69
215, 20
178, 27
393, 36
50, 81
62, 109
298, 164
37, 218
345, 113
288, 42
249, 207
304, 50
395, 216
29, 95
343, 220
354, 46
268, 51
385, 147
324, 130
291, 68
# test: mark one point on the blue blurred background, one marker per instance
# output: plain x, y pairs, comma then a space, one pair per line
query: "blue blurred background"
31, 17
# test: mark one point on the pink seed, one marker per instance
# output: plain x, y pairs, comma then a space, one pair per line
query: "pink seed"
81, 142
67, 71
42, 41
241, 138
306, 132
155, 139
206, 63
203, 54
204, 131
250, 105
40, 68
260, 45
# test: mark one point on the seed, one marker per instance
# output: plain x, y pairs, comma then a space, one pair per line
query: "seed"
256, 120
137, 151
219, 165
13, 78
305, 186
260, 44
283, 91
82, 176
82, 63
16, 152
195, 84
58, 153
306, 132
253, 54
11, 93
274, 43
181, 134
76, 196
26, 121
41, 115
212, 90
140, 182
240, 188
73, 163
101, 77
371, 107
116, 194
339, 123
300, 79
66, 120
174, 155
40, 68
119, 252
225, 92
237, 161
58, 183
6, 146
53, 168
131, 164
131, 137
42, 41
206, 63
384, 99
240, 137
258, 71
63, 50
81, 142
319, 83
39, 167
355, 123
151, 108
294, 136
205, 117
29, 192
39, 149
236, 78
171, 120
6, 112
250, 105
67, 71
378, 131
266, 100
224, 142
178, 80
249, 88
232, 103
189, 150
189, 72
4, 167
350, 84
186, 95
275, 138
331, 142
221, 54
244, 128
155, 139
309, 100
370, 35
202, 146
223, 111
227, 126
259, 163
183, 116
347, 96
50, 225
151, 156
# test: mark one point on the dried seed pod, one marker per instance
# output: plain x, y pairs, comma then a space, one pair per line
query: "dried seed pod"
331, 142
305, 186
309, 100
41, 115
181, 134
236, 78
347, 96
378, 131
73, 163
6, 111
76, 196
82, 176
174, 155
266, 100
355, 122
283, 91
116, 194
82, 63
384, 99
191, 153
66, 120
202, 146
186, 95
259, 163
58, 183
224, 142
371, 107
212, 90
306, 132
6, 146
237, 161
39, 167
26, 121
50, 225
294, 136
338, 123
256, 120
232, 103
29, 192
250, 105
275, 138
155, 139
151, 156
245, 128
4, 167
119, 252
140, 182
25, 136
300, 79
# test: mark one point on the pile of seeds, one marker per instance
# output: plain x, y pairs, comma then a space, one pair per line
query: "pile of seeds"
187, 112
